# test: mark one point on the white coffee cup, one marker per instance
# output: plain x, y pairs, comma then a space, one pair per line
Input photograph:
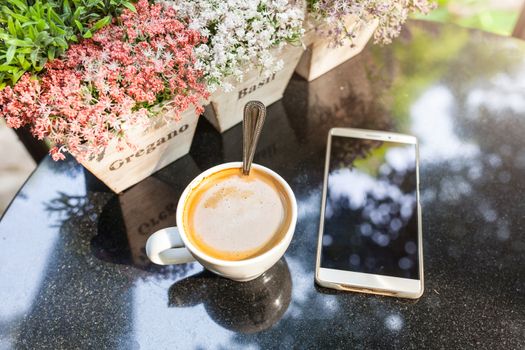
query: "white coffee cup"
172, 246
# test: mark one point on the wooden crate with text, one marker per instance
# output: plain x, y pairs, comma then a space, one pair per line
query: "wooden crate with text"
155, 147
226, 108
320, 55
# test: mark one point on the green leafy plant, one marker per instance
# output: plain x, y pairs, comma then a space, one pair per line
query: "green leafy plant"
35, 31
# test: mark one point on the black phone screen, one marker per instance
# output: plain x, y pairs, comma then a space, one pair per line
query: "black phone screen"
371, 218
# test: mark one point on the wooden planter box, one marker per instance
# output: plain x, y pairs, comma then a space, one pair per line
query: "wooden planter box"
157, 146
320, 57
226, 108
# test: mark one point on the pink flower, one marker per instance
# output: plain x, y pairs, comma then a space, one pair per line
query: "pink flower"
56, 154
84, 99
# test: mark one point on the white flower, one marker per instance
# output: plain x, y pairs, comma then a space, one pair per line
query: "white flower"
104, 56
227, 87
242, 34
113, 66
168, 56
333, 17
148, 53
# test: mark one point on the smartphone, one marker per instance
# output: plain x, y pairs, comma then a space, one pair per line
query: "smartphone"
370, 237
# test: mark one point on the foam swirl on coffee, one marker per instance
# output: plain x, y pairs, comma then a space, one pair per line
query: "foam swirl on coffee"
234, 217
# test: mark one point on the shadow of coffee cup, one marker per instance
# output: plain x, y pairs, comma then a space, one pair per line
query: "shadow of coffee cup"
248, 307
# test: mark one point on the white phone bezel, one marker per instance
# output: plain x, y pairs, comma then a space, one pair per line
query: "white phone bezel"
365, 282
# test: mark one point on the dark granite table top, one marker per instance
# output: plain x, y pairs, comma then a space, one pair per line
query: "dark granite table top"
73, 273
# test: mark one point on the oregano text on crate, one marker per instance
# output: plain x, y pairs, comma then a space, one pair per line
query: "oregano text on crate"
148, 149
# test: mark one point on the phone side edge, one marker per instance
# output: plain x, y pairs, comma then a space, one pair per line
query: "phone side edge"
420, 224
374, 135
323, 202
369, 283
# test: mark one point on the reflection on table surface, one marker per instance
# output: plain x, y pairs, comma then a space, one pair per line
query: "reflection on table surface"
242, 307
72, 266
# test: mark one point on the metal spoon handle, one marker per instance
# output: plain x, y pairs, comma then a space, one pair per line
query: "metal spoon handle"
254, 116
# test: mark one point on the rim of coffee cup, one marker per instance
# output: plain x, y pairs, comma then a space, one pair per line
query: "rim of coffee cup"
182, 201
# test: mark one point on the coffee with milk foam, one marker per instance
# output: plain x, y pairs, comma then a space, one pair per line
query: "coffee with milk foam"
230, 216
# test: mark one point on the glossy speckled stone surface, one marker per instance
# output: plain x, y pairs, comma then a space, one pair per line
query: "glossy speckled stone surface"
73, 273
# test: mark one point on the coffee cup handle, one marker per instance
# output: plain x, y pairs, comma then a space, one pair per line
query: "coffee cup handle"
165, 247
